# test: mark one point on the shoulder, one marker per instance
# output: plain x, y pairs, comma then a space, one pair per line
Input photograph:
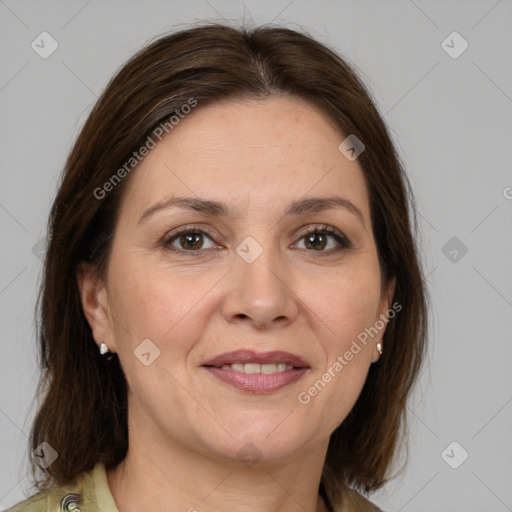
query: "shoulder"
55, 499
90, 493
356, 502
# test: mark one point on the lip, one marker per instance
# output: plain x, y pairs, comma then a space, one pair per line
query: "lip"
250, 356
257, 383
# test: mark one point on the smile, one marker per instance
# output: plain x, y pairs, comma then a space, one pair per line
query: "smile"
257, 372
251, 368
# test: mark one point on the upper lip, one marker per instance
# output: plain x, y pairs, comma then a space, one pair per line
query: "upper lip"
250, 356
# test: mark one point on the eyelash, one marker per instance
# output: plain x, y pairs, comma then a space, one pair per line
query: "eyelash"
341, 239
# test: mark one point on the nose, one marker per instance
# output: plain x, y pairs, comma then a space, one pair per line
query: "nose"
261, 293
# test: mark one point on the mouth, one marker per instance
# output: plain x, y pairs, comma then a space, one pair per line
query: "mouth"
251, 368
255, 372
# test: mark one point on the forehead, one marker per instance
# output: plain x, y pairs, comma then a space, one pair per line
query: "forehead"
275, 150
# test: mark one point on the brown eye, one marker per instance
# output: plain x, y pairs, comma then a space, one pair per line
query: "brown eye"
191, 241
188, 240
318, 240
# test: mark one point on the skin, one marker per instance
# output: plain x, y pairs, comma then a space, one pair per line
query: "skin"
186, 426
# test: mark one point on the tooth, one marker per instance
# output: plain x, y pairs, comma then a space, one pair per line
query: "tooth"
268, 368
265, 368
252, 368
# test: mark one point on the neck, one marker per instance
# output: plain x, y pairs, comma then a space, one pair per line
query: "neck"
180, 478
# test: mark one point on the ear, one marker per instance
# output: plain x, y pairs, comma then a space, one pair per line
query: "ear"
382, 316
94, 298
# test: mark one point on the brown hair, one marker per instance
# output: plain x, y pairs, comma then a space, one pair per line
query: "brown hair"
83, 411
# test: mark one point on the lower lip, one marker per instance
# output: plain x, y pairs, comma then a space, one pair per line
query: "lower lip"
257, 382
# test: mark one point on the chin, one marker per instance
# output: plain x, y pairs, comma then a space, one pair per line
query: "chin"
258, 438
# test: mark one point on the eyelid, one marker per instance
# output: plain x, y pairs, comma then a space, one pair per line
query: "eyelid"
194, 228
340, 237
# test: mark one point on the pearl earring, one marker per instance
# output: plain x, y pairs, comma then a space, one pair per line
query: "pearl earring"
104, 349
379, 348
105, 352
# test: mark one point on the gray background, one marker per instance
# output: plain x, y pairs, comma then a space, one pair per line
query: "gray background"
452, 121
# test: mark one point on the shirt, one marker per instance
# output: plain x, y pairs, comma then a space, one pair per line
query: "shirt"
92, 494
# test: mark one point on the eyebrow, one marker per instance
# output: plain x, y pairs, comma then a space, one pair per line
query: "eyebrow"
216, 209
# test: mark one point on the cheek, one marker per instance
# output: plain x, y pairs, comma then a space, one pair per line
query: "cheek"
347, 305
158, 304
346, 309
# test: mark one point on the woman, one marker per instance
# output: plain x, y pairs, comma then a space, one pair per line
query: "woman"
232, 312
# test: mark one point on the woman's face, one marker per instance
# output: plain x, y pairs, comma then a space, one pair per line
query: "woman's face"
249, 276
